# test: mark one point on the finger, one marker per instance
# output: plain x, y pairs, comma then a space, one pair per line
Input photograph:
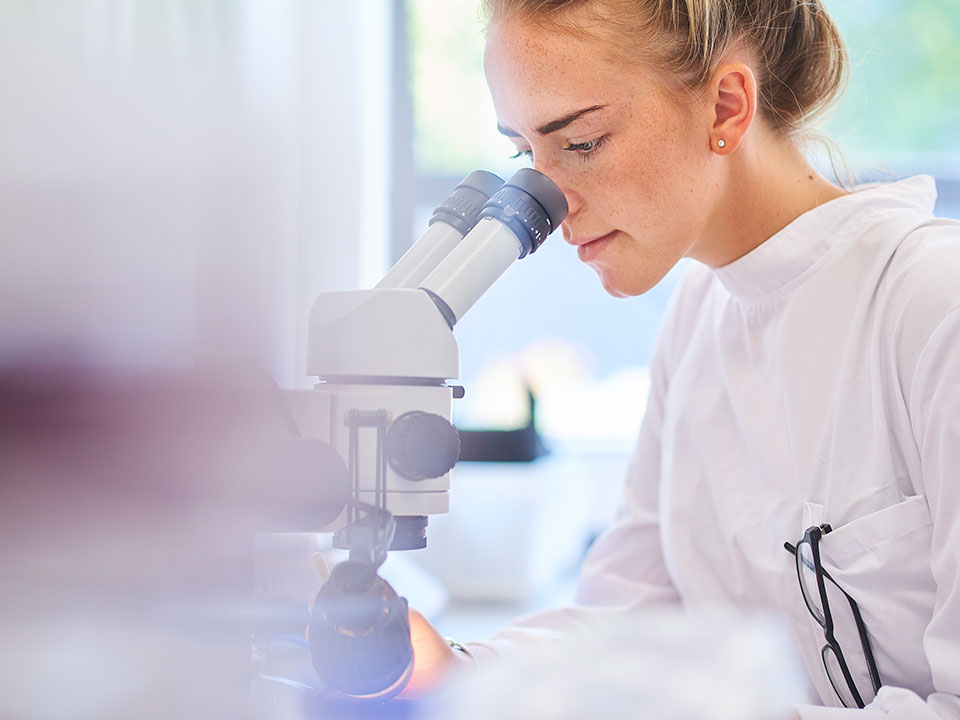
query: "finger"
321, 564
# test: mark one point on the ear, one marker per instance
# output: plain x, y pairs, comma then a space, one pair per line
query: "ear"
733, 94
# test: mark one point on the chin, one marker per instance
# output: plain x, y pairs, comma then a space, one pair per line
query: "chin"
623, 287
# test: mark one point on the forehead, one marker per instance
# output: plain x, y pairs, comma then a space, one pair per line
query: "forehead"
536, 70
536, 73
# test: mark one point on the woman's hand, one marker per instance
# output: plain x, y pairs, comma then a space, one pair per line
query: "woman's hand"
433, 658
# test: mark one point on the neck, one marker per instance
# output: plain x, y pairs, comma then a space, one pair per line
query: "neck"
767, 184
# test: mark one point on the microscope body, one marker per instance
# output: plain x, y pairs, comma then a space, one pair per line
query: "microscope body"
383, 359
384, 351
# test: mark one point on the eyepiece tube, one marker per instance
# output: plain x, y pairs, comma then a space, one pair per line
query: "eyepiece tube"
453, 219
513, 223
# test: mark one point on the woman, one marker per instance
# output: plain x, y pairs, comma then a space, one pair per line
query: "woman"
806, 385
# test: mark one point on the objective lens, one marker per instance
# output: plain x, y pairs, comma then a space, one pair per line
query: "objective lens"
360, 634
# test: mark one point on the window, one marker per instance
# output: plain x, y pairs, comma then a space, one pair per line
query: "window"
899, 116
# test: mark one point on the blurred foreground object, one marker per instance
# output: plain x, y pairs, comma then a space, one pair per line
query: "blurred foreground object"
660, 664
128, 505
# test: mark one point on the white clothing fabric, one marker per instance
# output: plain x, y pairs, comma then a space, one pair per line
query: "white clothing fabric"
815, 379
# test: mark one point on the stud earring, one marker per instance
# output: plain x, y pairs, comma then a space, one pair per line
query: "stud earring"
721, 143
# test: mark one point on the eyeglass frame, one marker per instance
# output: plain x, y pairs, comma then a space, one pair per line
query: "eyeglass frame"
812, 536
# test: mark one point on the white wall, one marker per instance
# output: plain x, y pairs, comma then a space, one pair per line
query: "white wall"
180, 178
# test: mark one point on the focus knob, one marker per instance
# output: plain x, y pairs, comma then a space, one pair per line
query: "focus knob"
422, 445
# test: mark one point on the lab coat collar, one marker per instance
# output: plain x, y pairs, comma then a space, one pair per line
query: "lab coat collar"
791, 252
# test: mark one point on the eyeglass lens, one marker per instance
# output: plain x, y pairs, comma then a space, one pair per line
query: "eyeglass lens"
808, 580
832, 665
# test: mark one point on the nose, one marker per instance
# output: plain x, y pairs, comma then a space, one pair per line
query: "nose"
574, 201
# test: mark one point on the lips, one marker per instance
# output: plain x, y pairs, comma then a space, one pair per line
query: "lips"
588, 249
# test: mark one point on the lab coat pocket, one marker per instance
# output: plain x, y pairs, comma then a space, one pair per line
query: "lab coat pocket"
861, 539
882, 560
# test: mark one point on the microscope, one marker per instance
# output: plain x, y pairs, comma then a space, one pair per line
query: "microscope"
375, 429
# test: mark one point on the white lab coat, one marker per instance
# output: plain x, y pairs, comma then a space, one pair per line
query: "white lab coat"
816, 379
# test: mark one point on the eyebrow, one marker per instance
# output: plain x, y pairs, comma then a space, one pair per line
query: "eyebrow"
554, 125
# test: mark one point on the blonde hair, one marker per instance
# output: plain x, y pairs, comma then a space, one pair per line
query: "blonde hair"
801, 59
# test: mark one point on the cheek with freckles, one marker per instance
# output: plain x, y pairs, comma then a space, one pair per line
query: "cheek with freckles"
646, 178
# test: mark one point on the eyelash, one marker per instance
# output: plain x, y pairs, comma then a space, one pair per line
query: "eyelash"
584, 149
587, 148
